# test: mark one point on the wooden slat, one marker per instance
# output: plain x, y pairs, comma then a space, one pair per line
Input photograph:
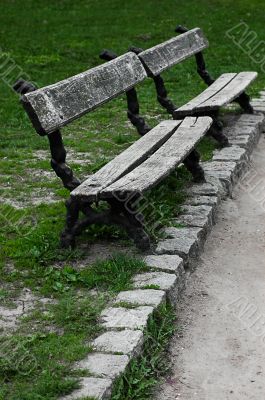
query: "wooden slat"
165, 55
232, 90
192, 105
224, 90
126, 161
164, 160
55, 106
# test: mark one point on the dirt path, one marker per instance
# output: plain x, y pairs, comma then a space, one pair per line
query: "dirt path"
221, 352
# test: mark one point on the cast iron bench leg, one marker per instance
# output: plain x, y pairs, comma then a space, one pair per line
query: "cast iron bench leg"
191, 162
244, 101
72, 214
216, 130
122, 213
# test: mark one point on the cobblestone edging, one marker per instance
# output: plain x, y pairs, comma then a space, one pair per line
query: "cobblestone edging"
171, 264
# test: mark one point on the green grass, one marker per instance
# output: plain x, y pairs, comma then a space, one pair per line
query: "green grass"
143, 373
51, 339
50, 41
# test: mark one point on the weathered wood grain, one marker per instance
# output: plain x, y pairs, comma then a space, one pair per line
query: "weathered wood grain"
163, 161
173, 51
126, 161
237, 86
56, 105
211, 91
224, 90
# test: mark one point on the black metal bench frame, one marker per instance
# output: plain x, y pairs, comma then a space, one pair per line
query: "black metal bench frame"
191, 162
123, 210
216, 130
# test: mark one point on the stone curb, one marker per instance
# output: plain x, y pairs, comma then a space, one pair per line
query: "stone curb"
169, 266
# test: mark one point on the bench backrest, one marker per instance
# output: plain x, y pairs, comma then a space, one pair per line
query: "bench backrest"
57, 105
163, 56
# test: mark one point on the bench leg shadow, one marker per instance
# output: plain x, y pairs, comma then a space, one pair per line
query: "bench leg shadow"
192, 163
216, 130
244, 101
123, 215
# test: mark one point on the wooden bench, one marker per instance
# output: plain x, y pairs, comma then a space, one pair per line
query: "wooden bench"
220, 92
122, 181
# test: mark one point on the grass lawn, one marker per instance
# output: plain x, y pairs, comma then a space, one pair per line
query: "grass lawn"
50, 41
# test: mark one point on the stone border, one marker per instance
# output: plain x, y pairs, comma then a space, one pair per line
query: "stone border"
171, 264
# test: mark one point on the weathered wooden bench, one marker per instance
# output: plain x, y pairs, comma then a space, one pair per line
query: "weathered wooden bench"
122, 181
229, 87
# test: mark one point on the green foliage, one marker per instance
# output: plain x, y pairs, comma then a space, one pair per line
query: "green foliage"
163, 202
112, 275
144, 372
75, 319
53, 40
31, 367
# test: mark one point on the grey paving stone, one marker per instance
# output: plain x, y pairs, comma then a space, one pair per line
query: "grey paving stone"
126, 342
244, 134
258, 102
211, 179
256, 122
171, 283
203, 189
162, 279
147, 297
98, 388
211, 201
104, 365
227, 166
225, 180
251, 119
236, 154
196, 233
190, 220
118, 317
233, 153
197, 212
246, 141
240, 130
166, 263
258, 105
224, 171
183, 242
196, 217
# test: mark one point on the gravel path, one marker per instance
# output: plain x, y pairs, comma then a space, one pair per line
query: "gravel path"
220, 353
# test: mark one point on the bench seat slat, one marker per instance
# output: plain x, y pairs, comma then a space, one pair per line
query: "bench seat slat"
56, 105
173, 51
233, 90
225, 89
164, 160
192, 105
126, 161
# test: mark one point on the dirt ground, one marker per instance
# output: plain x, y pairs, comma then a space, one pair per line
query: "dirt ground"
220, 352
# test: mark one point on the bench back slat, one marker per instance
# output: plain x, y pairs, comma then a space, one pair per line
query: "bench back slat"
165, 55
56, 105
